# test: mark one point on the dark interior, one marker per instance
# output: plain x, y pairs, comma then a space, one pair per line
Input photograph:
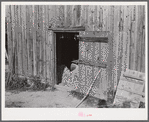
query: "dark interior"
67, 50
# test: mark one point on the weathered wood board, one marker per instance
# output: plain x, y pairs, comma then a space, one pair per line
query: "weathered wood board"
130, 88
90, 55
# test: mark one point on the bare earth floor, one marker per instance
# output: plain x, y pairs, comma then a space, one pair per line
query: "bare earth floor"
45, 99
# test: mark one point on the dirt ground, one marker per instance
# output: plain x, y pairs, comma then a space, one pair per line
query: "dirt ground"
60, 97
46, 99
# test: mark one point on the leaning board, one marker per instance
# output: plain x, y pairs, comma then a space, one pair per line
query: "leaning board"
130, 88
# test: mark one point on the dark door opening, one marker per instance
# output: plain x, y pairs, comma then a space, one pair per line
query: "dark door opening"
67, 50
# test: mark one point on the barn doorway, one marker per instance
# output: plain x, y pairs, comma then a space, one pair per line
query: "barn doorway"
67, 50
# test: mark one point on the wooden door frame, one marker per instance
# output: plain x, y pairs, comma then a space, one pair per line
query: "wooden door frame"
55, 57
63, 30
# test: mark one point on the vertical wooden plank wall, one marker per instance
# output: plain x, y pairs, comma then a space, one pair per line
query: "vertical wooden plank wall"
82, 70
110, 56
90, 53
50, 14
24, 41
33, 44
19, 41
96, 56
126, 26
120, 43
27, 40
143, 41
34, 21
9, 34
47, 62
16, 38
44, 41
40, 26
13, 38
52, 50
140, 38
104, 52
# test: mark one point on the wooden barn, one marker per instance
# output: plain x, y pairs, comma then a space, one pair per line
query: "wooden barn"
42, 39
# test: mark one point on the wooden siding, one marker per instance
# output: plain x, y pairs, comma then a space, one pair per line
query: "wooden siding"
33, 44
